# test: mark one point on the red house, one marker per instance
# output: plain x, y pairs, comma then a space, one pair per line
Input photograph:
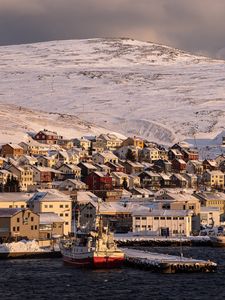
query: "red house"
190, 154
98, 181
47, 137
179, 165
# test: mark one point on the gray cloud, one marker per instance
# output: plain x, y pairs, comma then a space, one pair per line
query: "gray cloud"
194, 25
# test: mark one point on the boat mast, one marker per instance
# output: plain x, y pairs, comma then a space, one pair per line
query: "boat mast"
74, 221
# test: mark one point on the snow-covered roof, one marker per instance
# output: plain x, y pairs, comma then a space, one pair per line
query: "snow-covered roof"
15, 146
86, 197
163, 213
50, 195
21, 196
50, 218
89, 166
119, 174
211, 195
165, 176
9, 212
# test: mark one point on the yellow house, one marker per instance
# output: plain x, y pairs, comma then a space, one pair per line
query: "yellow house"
14, 200
135, 141
2, 161
24, 175
150, 154
212, 199
53, 201
34, 148
47, 161
214, 179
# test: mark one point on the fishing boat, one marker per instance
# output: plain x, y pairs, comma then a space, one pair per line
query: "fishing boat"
95, 248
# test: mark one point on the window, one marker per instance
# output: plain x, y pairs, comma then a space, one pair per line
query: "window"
67, 223
156, 218
66, 215
61, 206
10, 206
181, 218
18, 228
51, 206
25, 221
32, 219
35, 227
46, 206
61, 215
14, 228
162, 218
18, 220
168, 218
137, 218
22, 206
66, 206
144, 218
32, 227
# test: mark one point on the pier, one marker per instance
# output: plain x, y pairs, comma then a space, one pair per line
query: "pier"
164, 263
127, 240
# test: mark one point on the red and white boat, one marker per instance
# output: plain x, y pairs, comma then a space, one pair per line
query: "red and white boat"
95, 249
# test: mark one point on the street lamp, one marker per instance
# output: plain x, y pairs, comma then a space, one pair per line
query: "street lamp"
181, 250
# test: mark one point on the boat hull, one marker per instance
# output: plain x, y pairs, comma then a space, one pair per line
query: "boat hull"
96, 262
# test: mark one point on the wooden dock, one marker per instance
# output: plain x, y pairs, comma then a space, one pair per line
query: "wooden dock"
164, 263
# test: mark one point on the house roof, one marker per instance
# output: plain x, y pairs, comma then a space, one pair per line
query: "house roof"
9, 212
70, 166
86, 197
15, 146
49, 218
48, 132
14, 197
165, 176
179, 177
89, 166
163, 213
212, 162
211, 195
46, 169
135, 164
107, 154
179, 195
50, 195
119, 174
215, 172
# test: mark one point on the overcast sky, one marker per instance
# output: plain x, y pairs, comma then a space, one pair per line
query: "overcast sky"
193, 25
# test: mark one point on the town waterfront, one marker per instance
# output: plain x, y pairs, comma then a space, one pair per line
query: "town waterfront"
50, 279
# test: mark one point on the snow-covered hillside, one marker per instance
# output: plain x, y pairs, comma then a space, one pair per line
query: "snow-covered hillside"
124, 85
17, 123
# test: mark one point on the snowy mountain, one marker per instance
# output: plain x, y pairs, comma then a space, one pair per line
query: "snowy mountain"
128, 86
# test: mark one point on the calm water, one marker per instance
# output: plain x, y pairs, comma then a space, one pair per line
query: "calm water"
50, 279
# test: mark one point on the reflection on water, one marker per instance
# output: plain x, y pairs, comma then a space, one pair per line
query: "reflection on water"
50, 279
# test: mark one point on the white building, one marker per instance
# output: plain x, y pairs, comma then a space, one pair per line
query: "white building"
209, 216
163, 222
